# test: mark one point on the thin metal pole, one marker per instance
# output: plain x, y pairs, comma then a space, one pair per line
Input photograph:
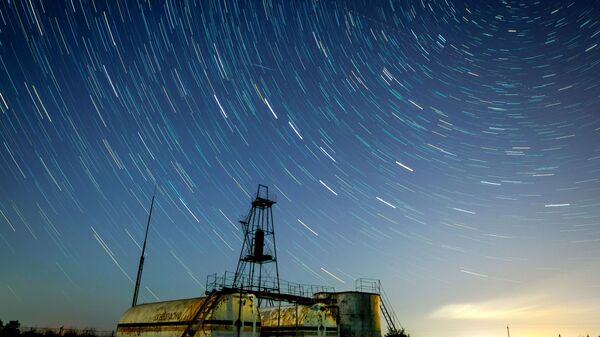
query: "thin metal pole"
141, 267
275, 251
239, 323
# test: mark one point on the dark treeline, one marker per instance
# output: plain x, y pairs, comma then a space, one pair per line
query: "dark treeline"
397, 333
14, 329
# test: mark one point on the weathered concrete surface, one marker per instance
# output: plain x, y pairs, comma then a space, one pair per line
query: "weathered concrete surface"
299, 320
172, 318
359, 314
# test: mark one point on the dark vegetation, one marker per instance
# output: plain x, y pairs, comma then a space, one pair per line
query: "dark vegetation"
397, 333
14, 329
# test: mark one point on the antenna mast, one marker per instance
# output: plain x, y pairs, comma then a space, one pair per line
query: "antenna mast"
141, 267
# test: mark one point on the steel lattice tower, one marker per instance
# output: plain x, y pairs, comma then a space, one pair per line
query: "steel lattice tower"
259, 252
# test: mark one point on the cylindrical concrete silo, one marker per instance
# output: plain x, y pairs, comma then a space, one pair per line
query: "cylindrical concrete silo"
359, 314
317, 320
218, 315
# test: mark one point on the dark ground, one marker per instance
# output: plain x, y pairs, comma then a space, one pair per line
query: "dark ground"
14, 329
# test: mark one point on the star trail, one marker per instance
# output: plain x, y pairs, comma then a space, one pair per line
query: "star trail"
449, 148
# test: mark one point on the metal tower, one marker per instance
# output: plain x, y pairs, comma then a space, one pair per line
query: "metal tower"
255, 268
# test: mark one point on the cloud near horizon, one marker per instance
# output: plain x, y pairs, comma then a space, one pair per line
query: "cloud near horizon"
506, 309
536, 302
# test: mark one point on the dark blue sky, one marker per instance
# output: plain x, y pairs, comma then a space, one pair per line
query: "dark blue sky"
448, 148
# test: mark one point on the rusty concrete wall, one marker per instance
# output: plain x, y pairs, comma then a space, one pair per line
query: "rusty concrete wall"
299, 320
171, 318
359, 314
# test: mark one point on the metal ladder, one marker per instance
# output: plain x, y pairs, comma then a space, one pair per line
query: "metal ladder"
388, 314
201, 315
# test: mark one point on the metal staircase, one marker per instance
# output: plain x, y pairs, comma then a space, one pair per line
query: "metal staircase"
388, 313
206, 308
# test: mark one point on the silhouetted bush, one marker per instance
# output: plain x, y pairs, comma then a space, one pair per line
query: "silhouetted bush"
70, 333
13, 329
88, 332
397, 333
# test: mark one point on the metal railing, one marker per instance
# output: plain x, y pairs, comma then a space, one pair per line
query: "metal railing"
267, 284
367, 285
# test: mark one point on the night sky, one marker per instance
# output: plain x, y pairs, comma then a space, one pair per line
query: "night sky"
449, 148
